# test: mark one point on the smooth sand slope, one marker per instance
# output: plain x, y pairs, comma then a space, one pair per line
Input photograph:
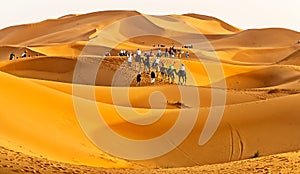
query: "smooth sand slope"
38, 118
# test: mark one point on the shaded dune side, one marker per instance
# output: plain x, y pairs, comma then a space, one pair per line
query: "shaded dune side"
264, 77
62, 69
264, 55
271, 37
293, 59
49, 68
224, 24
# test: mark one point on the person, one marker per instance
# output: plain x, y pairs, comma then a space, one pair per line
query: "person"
187, 54
182, 75
158, 53
173, 48
138, 79
123, 53
138, 52
129, 60
182, 68
172, 55
147, 62
170, 72
107, 53
138, 59
170, 50
24, 54
156, 63
166, 53
12, 56
171, 67
152, 77
178, 52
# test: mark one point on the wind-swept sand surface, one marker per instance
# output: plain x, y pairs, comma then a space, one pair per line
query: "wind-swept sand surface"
40, 132
16, 162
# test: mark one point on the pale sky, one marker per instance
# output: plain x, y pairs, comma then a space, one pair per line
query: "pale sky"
243, 14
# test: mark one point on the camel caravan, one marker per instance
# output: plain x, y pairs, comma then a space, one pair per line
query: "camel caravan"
162, 64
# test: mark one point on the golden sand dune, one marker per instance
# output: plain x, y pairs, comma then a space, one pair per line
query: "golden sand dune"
259, 55
260, 38
292, 59
63, 29
65, 33
233, 139
40, 94
225, 25
34, 128
262, 77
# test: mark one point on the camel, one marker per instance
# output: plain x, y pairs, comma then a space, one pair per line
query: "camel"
171, 74
163, 72
181, 75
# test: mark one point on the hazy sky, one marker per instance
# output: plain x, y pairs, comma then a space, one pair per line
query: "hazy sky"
240, 13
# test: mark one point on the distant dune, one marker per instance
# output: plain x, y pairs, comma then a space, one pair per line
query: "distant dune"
38, 120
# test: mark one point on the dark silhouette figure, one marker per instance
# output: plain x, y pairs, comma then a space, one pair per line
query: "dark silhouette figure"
138, 79
152, 77
11, 56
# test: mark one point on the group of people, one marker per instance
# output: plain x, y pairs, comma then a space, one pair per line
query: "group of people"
170, 52
12, 55
156, 66
139, 78
173, 52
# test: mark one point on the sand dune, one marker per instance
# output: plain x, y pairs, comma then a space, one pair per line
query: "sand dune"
292, 59
63, 125
272, 37
39, 121
36, 132
60, 69
264, 77
77, 24
209, 18
261, 56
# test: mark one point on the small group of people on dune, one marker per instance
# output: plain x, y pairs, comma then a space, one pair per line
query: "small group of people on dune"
12, 55
155, 68
172, 52
139, 78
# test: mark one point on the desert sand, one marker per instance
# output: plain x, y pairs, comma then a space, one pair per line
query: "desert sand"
40, 131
